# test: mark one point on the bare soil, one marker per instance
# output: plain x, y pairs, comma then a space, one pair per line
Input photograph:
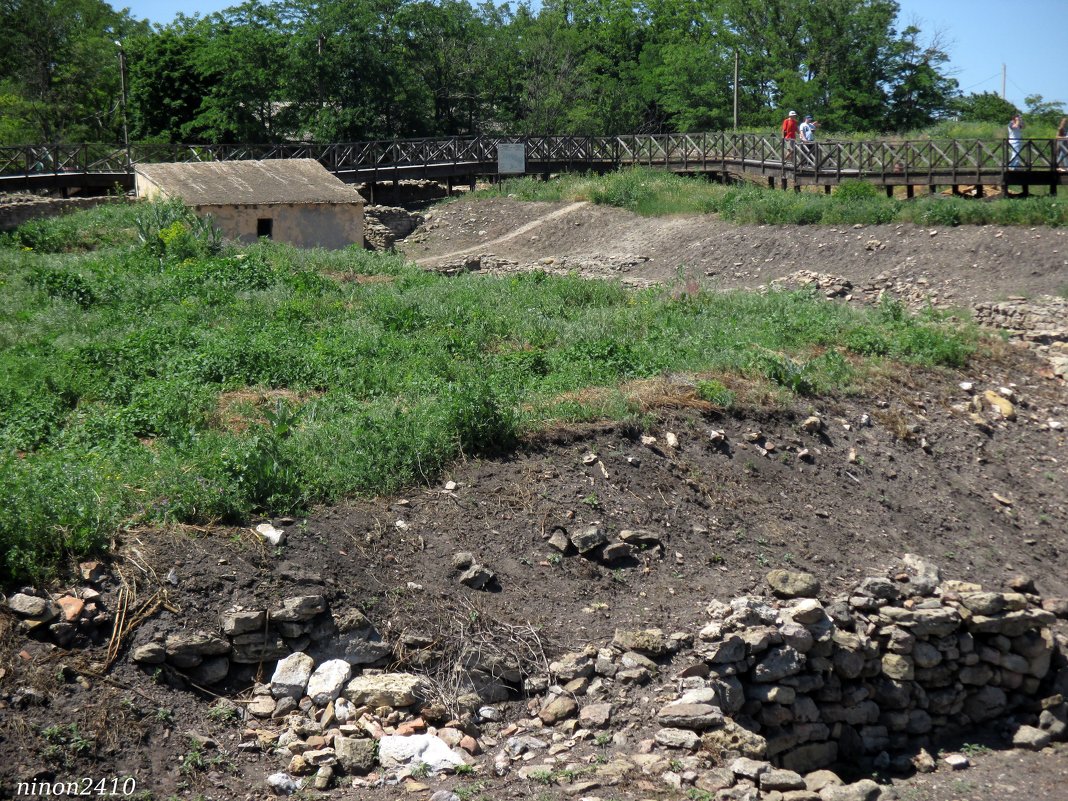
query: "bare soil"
902, 469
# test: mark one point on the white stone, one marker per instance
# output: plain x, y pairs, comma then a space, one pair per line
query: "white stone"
272, 535
291, 676
283, 783
957, 761
326, 682
418, 749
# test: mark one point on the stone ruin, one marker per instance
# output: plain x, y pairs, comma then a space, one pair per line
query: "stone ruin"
752, 705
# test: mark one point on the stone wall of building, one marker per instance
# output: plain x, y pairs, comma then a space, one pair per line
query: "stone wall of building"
18, 209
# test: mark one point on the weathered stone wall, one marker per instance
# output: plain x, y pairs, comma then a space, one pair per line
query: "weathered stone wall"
386, 224
17, 209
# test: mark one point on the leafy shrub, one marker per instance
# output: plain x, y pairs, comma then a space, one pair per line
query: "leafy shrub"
856, 191
170, 231
716, 393
63, 284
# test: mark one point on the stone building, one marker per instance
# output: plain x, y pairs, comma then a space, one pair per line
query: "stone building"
290, 200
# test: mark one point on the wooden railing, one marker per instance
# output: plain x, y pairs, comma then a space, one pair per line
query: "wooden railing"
888, 162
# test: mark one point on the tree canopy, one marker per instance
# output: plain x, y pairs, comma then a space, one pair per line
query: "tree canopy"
342, 70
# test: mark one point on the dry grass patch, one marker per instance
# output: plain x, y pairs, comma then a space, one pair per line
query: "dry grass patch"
238, 409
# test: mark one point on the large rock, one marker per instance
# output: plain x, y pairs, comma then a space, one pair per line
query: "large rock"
326, 682
777, 664
595, 716
187, 650
696, 717
864, 790
355, 755
558, 708
418, 749
650, 642
678, 738
394, 690
242, 621
734, 740
1031, 738
32, 607
291, 676
299, 609
810, 756
589, 538
793, 584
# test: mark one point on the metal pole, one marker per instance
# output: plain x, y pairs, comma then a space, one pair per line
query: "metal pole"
1004, 75
735, 90
122, 86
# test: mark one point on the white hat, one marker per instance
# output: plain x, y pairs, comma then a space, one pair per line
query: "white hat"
793, 114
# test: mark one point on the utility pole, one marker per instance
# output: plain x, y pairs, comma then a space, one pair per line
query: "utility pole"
122, 87
736, 89
1004, 75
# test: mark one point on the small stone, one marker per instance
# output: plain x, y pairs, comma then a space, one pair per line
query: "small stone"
678, 738
269, 534
478, 577
1031, 738
586, 539
957, 761
924, 762
283, 783
1001, 405
30, 606
557, 709
462, 560
793, 583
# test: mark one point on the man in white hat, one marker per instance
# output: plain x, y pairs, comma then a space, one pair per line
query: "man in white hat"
789, 134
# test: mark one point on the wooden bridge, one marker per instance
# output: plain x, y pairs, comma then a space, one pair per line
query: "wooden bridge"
915, 163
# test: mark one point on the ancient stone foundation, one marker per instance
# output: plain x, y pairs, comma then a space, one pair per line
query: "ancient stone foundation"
769, 688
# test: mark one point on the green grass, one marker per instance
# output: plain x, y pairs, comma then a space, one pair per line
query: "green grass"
166, 379
655, 193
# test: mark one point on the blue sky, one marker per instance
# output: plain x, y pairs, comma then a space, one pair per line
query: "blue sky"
1027, 36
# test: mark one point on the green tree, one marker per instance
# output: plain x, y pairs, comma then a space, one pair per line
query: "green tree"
921, 94
166, 84
984, 107
59, 68
1043, 112
242, 60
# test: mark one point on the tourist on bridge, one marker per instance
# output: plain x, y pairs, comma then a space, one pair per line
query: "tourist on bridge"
808, 129
789, 134
1015, 141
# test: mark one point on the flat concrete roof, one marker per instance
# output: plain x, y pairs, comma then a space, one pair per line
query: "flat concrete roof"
226, 183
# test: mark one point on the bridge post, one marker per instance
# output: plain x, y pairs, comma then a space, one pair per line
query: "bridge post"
826, 189
771, 182
890, 192
909, 191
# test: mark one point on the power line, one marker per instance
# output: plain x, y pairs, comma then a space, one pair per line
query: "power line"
985, 80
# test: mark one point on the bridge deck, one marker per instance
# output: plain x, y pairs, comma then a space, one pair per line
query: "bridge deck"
905, 163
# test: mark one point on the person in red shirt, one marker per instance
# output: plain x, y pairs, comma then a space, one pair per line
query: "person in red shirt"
789, 134
789, 126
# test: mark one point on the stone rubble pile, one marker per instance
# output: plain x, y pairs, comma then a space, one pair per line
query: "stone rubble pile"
74, 618
250, 636
754, 706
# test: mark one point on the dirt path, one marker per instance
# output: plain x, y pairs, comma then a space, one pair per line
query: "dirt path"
504, 238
